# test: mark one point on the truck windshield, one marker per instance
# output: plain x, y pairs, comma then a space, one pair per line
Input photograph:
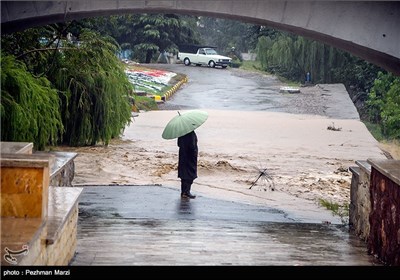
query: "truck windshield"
210, 51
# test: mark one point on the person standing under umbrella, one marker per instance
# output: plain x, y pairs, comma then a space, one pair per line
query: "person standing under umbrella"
182, 126
187, 163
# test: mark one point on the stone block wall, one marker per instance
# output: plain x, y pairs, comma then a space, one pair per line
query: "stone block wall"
22, 240
62, 169
38, 218
64, 177
52, 242
63, 249
353, 207
360, 204
37, 250
384, 237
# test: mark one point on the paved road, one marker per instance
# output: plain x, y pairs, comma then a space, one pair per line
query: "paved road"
151, 225
235, 89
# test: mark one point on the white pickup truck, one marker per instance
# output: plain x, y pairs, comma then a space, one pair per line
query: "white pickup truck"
203, 56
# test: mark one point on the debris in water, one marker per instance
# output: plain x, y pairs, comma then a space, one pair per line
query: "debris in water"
266, 180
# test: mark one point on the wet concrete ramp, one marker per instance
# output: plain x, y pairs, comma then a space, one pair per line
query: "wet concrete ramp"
152, 225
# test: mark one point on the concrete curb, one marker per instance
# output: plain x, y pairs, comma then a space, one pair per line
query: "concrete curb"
174, 89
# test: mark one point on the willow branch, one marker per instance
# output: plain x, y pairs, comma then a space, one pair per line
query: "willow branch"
44, 50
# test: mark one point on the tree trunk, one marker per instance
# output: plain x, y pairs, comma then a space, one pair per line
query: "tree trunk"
149, 55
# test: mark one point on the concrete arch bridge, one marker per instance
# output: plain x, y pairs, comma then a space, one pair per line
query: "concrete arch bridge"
368, 29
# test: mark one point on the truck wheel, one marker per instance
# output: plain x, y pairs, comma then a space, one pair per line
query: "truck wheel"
186, 61
211, 64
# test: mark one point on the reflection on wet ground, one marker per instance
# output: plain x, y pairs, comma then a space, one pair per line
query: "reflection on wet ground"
152, 225
185, 207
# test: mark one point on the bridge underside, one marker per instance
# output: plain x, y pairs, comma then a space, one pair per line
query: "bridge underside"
366, 29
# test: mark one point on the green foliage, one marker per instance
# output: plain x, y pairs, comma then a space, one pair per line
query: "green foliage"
375, 130
293, 56
225, 34
156, 33
236, 63
375, 98
263, 45
144, 52
251, 65
356, 74
29, 106
145, 103
38, 48
146, 34
95, 104
340, 210
384, 104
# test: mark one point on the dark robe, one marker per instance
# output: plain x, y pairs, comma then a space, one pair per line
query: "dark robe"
188, 151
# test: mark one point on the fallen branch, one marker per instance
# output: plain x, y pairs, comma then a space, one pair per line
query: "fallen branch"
332, 127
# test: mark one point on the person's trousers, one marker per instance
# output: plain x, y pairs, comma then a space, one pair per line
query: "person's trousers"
186, 185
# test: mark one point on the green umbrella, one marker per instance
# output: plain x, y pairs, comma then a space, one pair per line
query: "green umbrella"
184, 123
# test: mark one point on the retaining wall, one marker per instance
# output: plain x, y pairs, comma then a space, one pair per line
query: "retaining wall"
375, 207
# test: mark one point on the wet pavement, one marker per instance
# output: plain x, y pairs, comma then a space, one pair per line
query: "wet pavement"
236, 89
152, 225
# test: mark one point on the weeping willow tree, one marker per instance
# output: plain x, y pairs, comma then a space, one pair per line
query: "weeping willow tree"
264, 44
29, 106
293, 56
94, 91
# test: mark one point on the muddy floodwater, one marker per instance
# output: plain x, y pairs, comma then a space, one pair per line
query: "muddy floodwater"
131, 191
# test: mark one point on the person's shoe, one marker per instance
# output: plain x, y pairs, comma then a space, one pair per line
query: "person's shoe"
184, 196
188, 195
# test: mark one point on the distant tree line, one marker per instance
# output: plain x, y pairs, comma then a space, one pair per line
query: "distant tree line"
146, 35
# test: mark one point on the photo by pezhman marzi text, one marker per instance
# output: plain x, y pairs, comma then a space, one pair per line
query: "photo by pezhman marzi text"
35, 271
